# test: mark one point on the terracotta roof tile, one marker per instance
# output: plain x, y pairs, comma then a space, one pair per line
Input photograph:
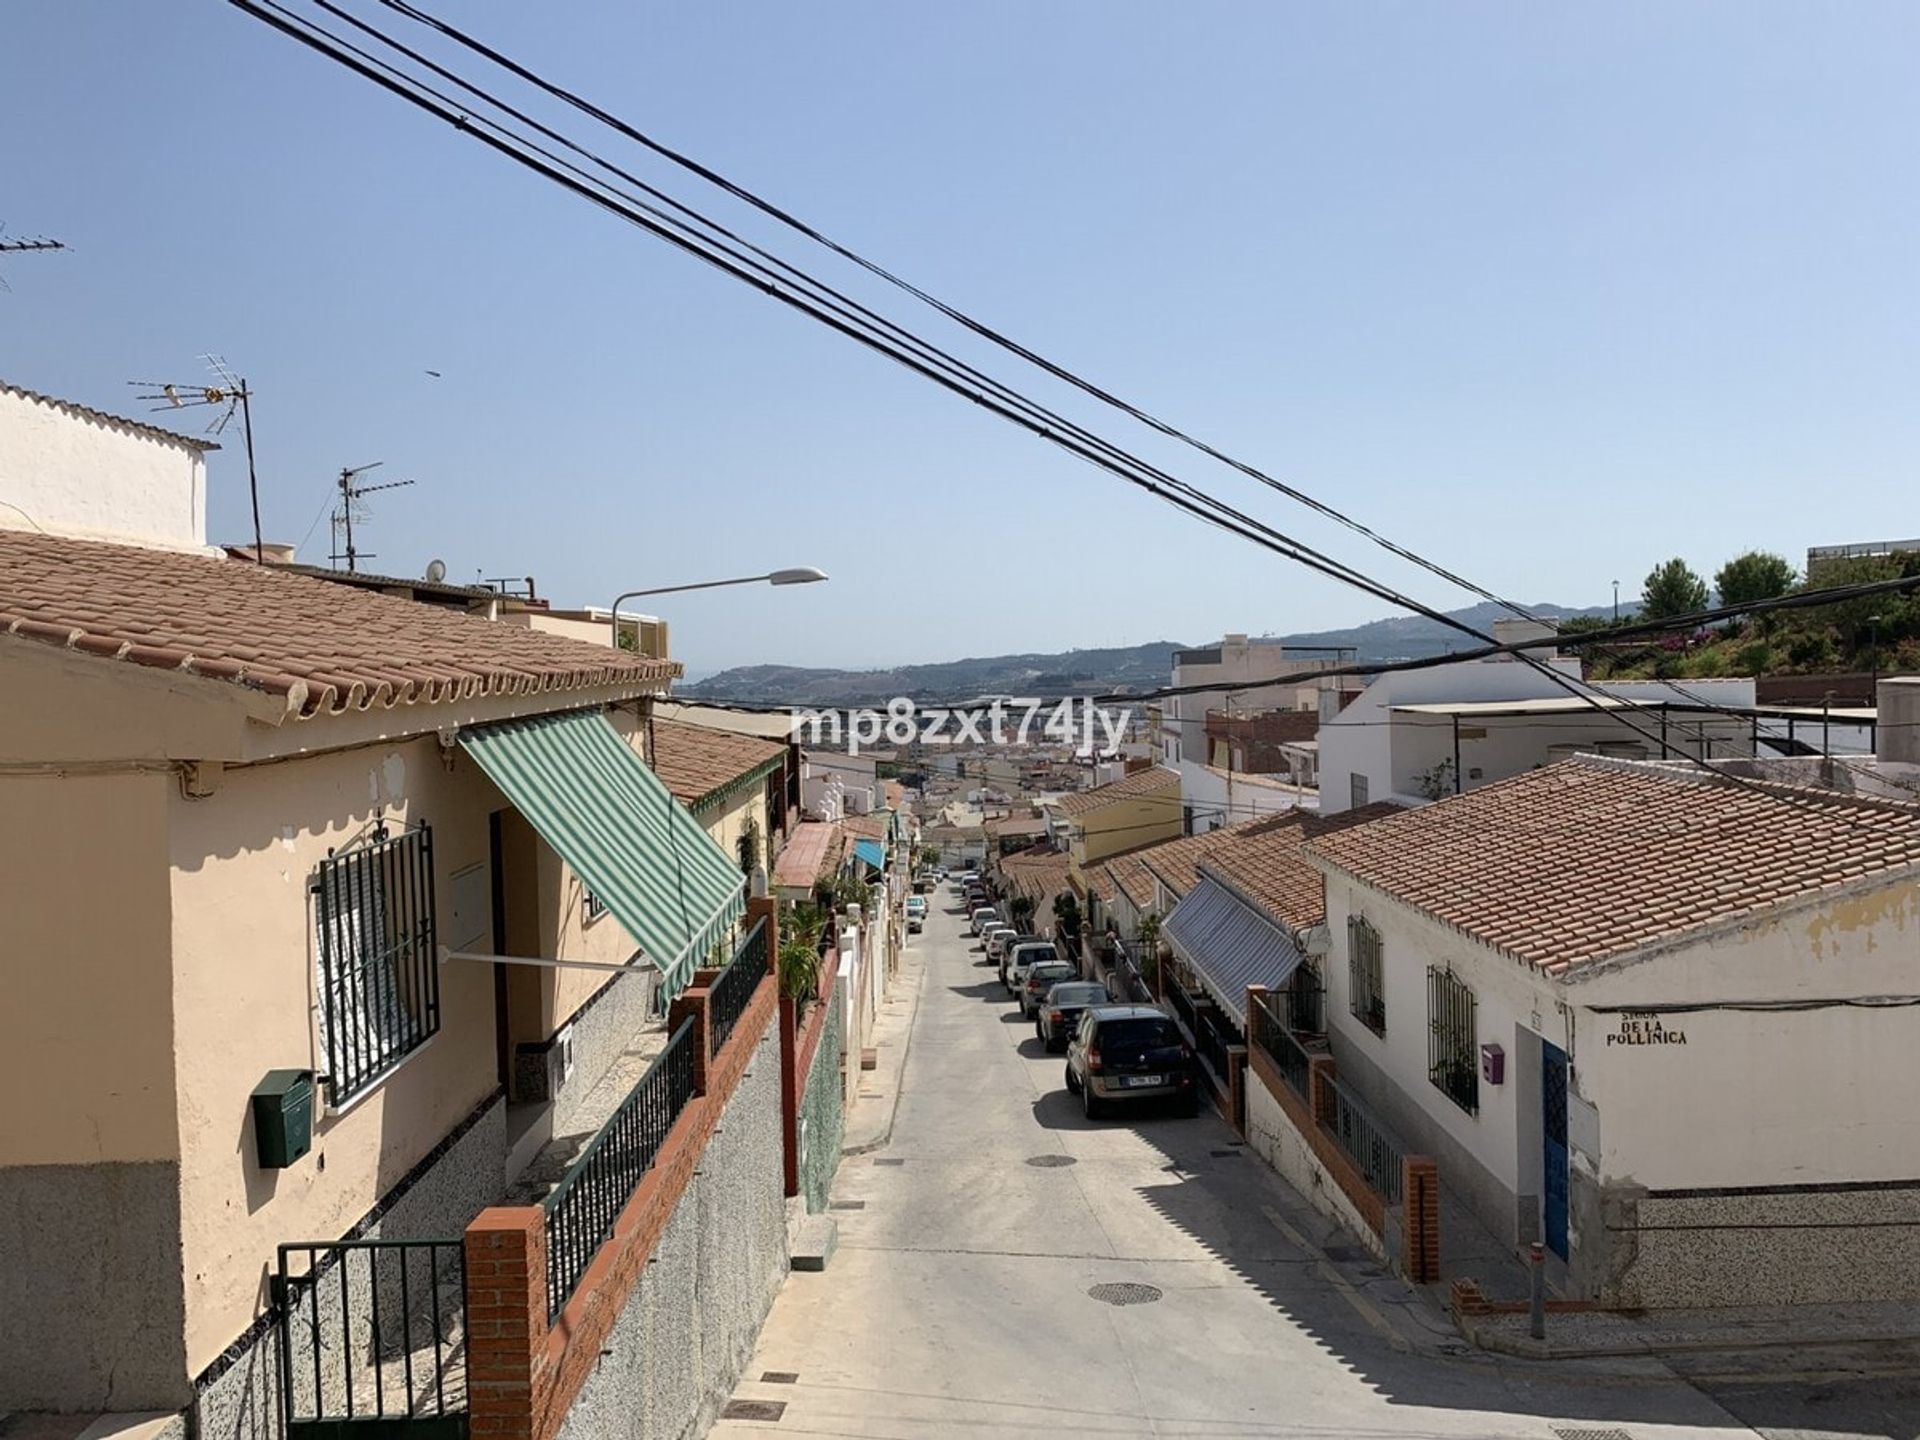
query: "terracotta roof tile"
1174, 863
813, 849
1267, 861
866, 827
1128, 875
321, 647
1567, 865
1037, 872
1151, 781
695, 762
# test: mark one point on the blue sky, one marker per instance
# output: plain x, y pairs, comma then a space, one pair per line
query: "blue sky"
1549, 292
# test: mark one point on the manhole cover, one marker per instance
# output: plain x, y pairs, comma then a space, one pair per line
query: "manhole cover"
847, 1205
1224, 1154
1125, 1294
754, 1410
1566, 1434
1049, 1162
779, 1377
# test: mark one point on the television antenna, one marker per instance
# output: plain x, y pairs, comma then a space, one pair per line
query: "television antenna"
227, 393
351, 509
21, 247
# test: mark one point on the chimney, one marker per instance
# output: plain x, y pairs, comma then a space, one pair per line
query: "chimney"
1897, 736
1518, 632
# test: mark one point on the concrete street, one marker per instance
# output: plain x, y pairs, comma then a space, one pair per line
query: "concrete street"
958, 1305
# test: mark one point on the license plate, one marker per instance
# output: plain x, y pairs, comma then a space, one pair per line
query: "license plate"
1137, 1081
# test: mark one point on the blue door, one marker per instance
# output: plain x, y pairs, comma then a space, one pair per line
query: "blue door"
1553, 1129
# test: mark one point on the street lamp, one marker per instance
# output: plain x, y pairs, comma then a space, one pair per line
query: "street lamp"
1616, 602
799, 575
1873, 622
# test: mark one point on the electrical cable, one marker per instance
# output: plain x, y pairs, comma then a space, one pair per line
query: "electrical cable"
1102, 454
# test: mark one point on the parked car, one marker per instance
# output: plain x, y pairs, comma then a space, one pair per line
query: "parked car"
1128, 1054
996, 937
1026, 952
1055, 1017
916, 913
1041, 977
982, 916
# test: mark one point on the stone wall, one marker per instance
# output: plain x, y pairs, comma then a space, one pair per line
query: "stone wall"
90, 1271
1803, 1246
677, 1348
823, 1121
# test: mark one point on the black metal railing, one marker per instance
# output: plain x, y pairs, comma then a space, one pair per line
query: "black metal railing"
1182, 1004
373, 1338
1211, 1039
733, 987
379, 978
583, 1206
1367, 1143
1306, 1000
1266, 1029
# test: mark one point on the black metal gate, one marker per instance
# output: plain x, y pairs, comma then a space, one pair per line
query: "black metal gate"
372, 1339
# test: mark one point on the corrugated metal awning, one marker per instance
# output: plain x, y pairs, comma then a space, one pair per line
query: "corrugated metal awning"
872, 852
1230, 945
642, 854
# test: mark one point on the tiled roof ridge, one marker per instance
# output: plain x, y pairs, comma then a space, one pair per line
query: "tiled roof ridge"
105, 417
1683, 772
340, 670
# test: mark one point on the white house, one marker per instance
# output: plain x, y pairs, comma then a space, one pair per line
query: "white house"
1662, 1019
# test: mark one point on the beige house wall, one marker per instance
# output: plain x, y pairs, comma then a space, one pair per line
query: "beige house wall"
1127, 825
244, 996
84, 968
244, 988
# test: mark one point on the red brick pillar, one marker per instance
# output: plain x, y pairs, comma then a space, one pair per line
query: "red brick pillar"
790, 1093
1420, 1218
1320, 1073
1237, 1087
695, 1002
506, 1253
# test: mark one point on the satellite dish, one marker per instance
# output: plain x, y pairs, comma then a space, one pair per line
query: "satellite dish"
436, 571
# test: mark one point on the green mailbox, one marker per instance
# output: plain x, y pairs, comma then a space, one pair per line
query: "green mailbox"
283, 1117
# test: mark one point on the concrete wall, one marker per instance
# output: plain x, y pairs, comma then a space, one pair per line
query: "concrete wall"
690, 1324
823, 1118
1276, 1140
89, 1149
97, 478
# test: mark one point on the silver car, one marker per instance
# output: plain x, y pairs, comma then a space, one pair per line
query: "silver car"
983, 916
1026, 954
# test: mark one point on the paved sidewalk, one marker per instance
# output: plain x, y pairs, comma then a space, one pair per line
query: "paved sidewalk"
1680, 1332
870, 1122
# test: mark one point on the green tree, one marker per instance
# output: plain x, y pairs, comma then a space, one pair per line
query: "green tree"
1020, 908
1756, 575
1672, 589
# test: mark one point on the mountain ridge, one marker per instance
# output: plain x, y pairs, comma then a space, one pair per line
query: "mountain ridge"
1081, 671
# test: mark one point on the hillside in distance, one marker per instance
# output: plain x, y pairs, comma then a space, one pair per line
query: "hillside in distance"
1075, 672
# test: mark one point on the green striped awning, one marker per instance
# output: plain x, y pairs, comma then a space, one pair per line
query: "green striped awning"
640, 851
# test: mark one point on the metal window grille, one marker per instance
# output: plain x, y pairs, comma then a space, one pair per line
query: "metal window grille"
1366, 989
1452, 1064
379, 974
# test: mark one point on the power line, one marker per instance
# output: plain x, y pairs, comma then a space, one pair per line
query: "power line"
923, 358
984, 331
